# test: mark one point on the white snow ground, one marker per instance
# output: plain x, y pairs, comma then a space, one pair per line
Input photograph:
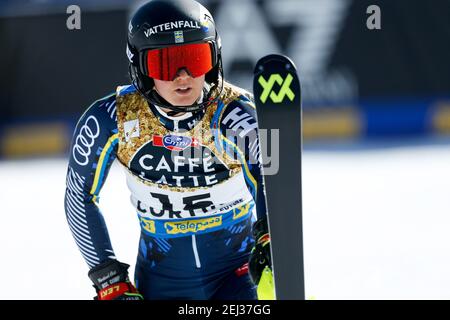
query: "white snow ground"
376, 226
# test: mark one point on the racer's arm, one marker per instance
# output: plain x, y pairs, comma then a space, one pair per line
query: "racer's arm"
92, 151
240, 137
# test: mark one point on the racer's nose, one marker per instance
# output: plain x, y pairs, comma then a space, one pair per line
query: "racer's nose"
183, 74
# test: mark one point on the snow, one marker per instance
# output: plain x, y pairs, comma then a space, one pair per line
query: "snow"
376, 226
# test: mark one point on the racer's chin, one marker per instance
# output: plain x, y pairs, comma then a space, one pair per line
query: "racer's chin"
184, 97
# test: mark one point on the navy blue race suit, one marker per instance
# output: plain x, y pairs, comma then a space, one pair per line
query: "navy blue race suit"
196, 184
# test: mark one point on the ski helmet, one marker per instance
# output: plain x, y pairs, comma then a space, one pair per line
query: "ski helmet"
165, 36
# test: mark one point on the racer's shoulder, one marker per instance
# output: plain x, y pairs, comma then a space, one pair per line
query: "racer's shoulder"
102, 111
240, 106
125, 90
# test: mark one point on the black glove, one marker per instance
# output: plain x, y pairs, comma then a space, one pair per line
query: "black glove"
112, 283
260, 257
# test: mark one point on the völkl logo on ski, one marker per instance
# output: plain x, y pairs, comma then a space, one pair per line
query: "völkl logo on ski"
268, 88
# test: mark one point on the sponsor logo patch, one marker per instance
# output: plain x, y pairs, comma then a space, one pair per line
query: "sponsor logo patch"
85, 140
172, 25
148, 225
175, 143
131, 129
192, 225
241, 211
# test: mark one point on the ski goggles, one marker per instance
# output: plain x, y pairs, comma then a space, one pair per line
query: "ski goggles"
165, 63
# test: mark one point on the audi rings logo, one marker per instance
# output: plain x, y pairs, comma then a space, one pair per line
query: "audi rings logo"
85, 140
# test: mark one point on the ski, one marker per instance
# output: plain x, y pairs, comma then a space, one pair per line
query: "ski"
277, 93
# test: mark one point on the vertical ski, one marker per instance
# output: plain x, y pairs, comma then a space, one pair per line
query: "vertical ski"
276, 89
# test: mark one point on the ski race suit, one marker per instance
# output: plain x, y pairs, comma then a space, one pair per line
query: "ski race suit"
195, 182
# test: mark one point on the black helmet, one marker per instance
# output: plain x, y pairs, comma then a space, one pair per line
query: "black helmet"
166, 23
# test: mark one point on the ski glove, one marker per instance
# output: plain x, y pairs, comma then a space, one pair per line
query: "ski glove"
112, 283
260, 264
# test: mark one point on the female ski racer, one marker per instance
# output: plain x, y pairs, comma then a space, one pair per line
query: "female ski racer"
188, 142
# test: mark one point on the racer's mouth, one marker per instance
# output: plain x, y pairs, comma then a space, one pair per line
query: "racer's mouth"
183, 91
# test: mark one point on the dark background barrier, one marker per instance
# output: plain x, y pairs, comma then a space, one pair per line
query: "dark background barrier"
357, 83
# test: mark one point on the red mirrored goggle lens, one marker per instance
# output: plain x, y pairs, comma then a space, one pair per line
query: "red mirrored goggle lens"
164, 64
